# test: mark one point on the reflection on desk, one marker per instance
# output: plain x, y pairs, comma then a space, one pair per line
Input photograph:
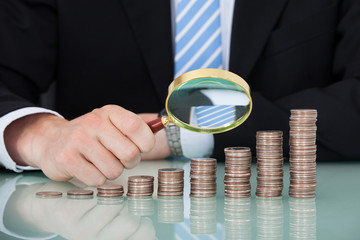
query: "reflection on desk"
332, 214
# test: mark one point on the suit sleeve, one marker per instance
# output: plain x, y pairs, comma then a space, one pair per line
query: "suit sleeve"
338, 104
27, 52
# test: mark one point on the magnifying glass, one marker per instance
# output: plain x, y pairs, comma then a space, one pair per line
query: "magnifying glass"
206, 101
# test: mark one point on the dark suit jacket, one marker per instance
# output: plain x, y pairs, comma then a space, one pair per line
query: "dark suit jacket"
294, 54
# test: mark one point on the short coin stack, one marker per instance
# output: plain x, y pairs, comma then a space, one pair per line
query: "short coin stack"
79, 194
170, 182
269, 163
303, 153
237, 172
110, 191
203, 177
140, 186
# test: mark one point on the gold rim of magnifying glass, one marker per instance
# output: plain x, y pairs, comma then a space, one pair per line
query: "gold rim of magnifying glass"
207, 73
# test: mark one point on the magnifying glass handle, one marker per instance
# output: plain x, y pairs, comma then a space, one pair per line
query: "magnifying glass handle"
157, 124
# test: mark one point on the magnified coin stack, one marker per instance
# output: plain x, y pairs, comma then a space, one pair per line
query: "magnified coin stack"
170, 182
303, 153
140, 186
269, 155
203, 177
237, 172
110, 191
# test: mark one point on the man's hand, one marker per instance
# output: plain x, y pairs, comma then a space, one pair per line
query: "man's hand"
93, 147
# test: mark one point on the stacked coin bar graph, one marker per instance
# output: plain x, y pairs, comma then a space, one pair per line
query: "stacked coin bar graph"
269, 154
170, 182
303, 153
203, 177
237, 172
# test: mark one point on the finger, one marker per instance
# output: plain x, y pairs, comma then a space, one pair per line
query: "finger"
132, 126
104, 160
85, 171
119, 145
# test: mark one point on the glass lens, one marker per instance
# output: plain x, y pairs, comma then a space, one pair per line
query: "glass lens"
209, 105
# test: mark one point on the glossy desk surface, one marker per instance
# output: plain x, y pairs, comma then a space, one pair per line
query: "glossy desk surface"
334, 214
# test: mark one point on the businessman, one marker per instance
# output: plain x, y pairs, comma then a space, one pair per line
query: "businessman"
113, 60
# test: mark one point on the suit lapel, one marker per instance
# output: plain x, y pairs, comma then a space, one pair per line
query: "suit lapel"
151, 23
252, 24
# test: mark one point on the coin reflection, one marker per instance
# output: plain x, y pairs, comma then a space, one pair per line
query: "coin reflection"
29, 217
141, 206
237, 218
170, 209
269, 218
110, 201
302, 218
203, 215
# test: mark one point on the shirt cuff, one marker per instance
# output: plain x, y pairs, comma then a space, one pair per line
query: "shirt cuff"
5, 120
195, 144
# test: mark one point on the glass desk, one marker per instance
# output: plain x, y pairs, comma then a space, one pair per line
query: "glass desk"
334, 214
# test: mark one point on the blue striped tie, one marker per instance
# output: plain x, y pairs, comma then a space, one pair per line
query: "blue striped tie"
215, 116
198, 45
198, 36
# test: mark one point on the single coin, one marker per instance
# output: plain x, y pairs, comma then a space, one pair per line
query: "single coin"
49, 194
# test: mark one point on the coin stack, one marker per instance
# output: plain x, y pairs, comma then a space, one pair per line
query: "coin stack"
237, 172
269, 163
80, 194
203, 177
170, 182
140, 186
110, 191
303, 153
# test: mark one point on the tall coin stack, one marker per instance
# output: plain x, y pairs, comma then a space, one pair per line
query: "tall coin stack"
170, 182
237, 172
303, 153
203, 177
140, 186
269, 155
